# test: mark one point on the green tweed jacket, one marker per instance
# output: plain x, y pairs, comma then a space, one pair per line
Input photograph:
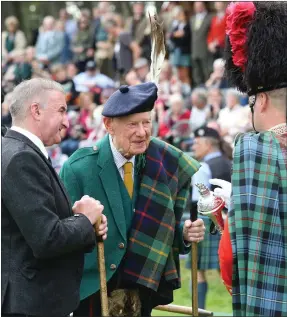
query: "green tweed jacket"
92, 171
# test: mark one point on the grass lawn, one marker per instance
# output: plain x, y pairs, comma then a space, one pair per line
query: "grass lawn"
218, 299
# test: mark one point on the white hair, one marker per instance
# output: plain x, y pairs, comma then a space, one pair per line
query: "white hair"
234, 92
201, 94
175, 98
33, 90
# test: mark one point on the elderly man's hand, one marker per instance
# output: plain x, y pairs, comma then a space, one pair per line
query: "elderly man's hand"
193, 231
103, 228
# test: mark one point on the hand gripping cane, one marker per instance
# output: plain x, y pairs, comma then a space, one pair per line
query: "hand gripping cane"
194, 255
102, 270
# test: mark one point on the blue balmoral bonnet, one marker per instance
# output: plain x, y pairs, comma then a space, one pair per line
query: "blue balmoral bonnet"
131, 99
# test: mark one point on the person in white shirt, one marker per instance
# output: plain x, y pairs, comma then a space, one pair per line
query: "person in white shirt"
200, 110
44, 237
234, 118
92, 78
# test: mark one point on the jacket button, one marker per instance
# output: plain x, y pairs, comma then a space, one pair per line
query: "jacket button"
121, 245
113, 266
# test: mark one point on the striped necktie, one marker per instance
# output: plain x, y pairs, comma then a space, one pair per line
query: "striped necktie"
128, 178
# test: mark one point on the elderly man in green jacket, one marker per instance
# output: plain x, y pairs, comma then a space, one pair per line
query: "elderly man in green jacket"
144, 185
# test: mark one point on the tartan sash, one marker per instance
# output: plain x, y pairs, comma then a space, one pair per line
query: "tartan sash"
258, 225
152, 251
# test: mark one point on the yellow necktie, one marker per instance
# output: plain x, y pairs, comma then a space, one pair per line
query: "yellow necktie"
128, 177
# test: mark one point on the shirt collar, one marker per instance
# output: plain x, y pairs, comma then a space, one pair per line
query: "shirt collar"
212, 155
33, 138
118, 158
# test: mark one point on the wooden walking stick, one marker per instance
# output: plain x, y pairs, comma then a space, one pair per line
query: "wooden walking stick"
194, 258
102, 270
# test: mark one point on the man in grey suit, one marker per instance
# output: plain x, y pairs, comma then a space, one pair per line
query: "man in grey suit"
44, 238
201, 57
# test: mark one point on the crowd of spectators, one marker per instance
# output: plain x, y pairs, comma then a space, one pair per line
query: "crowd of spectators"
95, 54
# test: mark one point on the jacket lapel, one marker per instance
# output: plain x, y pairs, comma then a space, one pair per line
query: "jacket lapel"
108, 176
22, 138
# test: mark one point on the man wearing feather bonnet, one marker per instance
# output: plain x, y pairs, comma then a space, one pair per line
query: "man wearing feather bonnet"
253, 248
144, 185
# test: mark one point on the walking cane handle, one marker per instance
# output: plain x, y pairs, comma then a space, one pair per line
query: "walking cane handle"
96, 226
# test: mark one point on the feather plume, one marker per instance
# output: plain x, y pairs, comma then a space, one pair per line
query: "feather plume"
157, 48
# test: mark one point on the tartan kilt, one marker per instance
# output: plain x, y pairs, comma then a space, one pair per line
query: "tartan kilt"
207, 249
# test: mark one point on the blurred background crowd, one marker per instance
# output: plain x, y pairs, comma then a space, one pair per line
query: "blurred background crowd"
92, 50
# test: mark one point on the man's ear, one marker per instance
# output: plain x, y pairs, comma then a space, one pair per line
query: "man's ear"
108, 122
262, 102
35, 111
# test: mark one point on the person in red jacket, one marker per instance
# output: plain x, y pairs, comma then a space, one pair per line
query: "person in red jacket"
174, 115
216, 34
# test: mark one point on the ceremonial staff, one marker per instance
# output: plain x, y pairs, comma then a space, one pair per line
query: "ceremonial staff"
194, 259
102, 271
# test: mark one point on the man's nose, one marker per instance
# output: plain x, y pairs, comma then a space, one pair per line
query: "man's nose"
141, 131
66, 121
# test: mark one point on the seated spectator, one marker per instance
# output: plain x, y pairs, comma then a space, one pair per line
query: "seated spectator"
165, 83
233, 119
59, 74
91, 78
200, 110
217, 79
17, 70
87, 108
215, 102
72, 70
141, 68
172, 117
81, 124
13, 39
99, 130
74, 134
23, 70
50, 44
30, 54
132, 79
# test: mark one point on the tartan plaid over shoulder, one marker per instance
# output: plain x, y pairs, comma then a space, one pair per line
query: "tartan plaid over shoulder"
155, 239
258, 225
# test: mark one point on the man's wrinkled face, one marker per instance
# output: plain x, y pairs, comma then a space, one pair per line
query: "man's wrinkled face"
200, 147
130, 134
